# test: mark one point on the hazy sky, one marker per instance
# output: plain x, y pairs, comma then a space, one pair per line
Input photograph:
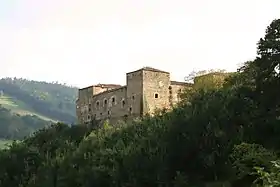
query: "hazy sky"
84, 42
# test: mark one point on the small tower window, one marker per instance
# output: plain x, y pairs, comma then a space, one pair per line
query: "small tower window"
97, 104
109, 112
156, 95
89, 107
130, 109
133, 97
105, 102
123, 103
113, 100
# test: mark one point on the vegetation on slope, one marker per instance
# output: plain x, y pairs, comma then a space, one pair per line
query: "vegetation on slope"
4, 143
226, 136
49, 101
19, 107
15, 127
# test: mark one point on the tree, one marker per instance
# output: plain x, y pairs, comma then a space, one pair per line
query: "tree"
267, 66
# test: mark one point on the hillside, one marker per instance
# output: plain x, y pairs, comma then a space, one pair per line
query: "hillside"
218, 136
4, 143
48, 101
14, 126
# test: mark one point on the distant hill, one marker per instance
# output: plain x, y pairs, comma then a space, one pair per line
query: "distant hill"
14, 126
48, 101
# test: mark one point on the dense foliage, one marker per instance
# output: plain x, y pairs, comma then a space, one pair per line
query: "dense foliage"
13, 126
225, 136
53, 100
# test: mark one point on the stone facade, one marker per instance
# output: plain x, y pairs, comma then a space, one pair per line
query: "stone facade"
146, 90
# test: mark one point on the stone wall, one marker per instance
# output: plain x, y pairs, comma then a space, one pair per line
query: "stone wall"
134, 82
109, 104
86, 97
155, 91
175, 91
82, 103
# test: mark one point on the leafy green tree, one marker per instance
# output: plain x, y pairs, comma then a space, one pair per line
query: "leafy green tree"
247, 156
268, 179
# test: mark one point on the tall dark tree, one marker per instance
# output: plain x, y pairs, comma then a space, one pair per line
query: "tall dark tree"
267, 66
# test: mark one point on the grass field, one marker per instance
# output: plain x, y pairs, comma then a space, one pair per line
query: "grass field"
3, 143
19, 107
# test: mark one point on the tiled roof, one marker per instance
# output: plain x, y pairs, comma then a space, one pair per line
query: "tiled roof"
109, 85
153, 69
103, 86
147, 68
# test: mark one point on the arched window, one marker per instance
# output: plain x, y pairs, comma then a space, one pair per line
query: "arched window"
113, 100
89, 107
97, 104
123, 103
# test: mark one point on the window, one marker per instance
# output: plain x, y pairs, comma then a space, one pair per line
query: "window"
133, 97
113, 100
156, 95
89, 107
130, 109
123, 103
97, 104
88, 116
109, 112
101, 114
105, 102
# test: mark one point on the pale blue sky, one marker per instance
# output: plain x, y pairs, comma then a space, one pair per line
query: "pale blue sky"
84, 42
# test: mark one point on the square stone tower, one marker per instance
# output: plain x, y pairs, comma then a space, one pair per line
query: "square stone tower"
147, 90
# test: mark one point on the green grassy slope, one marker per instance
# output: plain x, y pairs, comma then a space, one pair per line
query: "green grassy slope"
15, 127
48, 101
19, 107
4, 143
